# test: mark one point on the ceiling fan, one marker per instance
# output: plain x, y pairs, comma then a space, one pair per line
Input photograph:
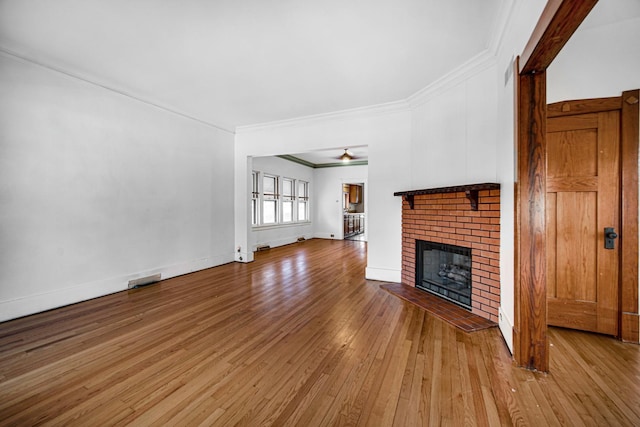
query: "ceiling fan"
346, 156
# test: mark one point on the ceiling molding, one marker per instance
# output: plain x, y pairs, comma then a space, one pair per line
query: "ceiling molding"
343, 164
121, 92
456, 76
322, 165
480, 62
371, 110
476, 64
470, 68
297, 160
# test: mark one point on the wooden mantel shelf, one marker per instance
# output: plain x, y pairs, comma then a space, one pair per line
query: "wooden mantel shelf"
470, 190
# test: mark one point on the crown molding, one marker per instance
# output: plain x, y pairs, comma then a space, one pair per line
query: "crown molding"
478, 63
121, 92
297, 160
343, 164
303, 162
371, 110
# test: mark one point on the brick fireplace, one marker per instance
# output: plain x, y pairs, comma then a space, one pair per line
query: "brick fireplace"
465, 216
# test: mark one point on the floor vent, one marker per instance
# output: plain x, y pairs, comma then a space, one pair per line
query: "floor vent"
263, 248
144, 281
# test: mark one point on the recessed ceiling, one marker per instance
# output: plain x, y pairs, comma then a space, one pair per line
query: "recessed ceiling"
328, 158
241, 62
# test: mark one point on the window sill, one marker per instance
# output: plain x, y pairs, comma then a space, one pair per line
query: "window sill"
281, 225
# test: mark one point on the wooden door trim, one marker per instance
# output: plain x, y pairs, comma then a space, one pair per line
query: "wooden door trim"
558, 22
630, 135
583, 106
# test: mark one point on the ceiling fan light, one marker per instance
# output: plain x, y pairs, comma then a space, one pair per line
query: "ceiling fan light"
346, 157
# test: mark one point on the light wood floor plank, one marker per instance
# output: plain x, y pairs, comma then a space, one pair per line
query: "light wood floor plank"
298, 337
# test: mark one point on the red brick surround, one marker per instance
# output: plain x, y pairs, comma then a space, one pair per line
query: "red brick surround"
448, 218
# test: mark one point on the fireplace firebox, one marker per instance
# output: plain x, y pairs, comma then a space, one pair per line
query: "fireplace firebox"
444, 270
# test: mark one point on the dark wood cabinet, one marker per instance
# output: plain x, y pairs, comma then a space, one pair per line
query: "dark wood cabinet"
353, 224
355, 194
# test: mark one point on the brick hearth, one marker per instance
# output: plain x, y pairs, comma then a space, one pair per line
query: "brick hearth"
448, 217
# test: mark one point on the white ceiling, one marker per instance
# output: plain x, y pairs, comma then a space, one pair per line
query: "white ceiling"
241, 62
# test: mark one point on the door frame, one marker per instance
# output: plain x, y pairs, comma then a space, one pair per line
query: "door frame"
558, 22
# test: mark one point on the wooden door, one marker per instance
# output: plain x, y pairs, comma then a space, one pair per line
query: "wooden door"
583, 197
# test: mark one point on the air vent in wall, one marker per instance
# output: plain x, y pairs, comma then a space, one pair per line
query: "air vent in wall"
143, 281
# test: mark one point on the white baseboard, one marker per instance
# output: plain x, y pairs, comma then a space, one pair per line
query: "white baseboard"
283, 241
328, 236
36, 303
383, 274
244, 257
506, 328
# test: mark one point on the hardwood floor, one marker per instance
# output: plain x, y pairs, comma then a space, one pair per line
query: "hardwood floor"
297, 337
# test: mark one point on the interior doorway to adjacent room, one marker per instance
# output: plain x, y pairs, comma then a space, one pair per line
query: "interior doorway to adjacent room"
353, 211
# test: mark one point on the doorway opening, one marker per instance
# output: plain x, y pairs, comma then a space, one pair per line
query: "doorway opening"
531, 346
353, 211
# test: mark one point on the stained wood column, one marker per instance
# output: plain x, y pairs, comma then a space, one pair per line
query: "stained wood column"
558, 22
531, 343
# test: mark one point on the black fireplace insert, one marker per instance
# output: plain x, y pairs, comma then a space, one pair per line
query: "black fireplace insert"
444, 270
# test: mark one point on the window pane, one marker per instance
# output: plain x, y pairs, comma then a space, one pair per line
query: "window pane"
303, 189
287, 187
269, 211
287, 211
254, 182
254, 211
269, 185
302, 211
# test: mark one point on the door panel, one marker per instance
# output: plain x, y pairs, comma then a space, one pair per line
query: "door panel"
576, 250
582, 198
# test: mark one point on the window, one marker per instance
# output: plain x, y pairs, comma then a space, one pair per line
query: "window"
278, 200
303, 201
255, 198
269, 199
288, 198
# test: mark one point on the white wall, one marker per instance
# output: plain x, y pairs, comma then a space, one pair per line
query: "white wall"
328, 218
454, 133
283, 234
385, 130
97, 188
597, 62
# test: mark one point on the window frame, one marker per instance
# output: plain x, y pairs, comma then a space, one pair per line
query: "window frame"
295, 199
303, 200
270, 198
288, 199
255, 198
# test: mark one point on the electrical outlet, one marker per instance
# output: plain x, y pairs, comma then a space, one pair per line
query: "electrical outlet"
332, 236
